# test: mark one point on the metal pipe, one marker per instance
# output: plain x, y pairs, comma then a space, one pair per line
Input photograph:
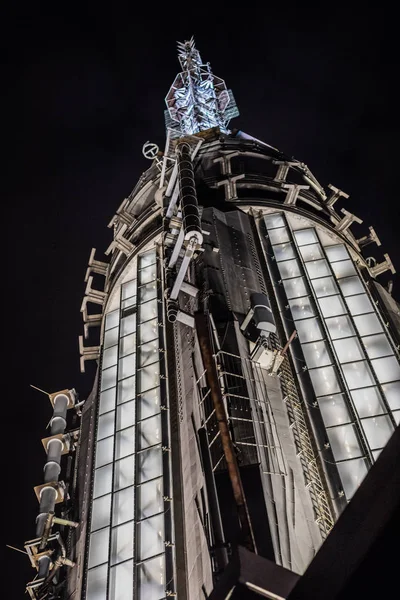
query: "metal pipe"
187, 188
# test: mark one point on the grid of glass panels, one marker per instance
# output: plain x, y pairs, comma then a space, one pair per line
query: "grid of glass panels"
126, 551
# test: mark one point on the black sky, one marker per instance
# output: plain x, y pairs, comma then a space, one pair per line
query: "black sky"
86, 89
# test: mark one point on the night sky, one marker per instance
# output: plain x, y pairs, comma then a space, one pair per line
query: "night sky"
86, 90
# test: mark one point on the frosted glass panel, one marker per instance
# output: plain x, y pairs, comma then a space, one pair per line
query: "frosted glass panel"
386, 369
129, 302
122, 543
149, 464
306, 236
112, 319
368, 324
274, 221
348, 350
111, 337
340, 327
129, 289
332, 306
121, 581
110, 357
336, 252
123, 506
396, 416
278, 236
311, 252
358, 375
324, 381
148, 377
148, 274
148, 292
352, 473
148, 353
98, 552
284, 251
148, 311
376, 453
126, 390
289, 268
344, 442
309, 330
127, 366
150, 498
101, 512
104, 451
124, 442
128, 324
124, 473
392, 394
301, 308
125, 415
344, 268
317, 268
147, 258
127, 345
108, 378
148, 331
150, 537
106, 425
151, 575
148, 403
351, 286
325, 286
102, 481
316, 354
368, 402
359, 304
295, 288
334, 410
107, 400
97, 584
377, 346
377, 430
149, 432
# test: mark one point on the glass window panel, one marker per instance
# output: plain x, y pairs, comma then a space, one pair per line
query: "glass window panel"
151, 575
295, 288
289, 268
278, 236
148, 292
129, 289
102, 481
127, 345
386, 369
150, 536
101, 510
148, 353
284, 251
126, 390
309, 330
392, 394
325, 286
344, 268
148, 311
107, 400
148, 274
359, 304
109, 355
317, 268
112, 319
396, 416
125, 415
352, 473
106, 425
275, 220
111, 337
97, 583
336, 253
332, 306
127, 366
104, 451
358, 374
98, 552
128, 324
311, 252
377, 346
147, 258
148, 331
149, 432
368, 402
325, 381
124, 473
122, 543
108, 378
148, 403
344, 442
124, 442
368, 324
123, 506
340, 327
306, 236
129, 302
121, 581
348, 350
377, 430
150, 498
316, 354
334, 410
376, 453
149, 464
148, 377
351, 286
301, 308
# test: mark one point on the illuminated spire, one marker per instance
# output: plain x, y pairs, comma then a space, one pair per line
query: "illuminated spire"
197, 100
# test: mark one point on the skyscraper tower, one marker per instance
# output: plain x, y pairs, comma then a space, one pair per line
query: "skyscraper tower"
248, 369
